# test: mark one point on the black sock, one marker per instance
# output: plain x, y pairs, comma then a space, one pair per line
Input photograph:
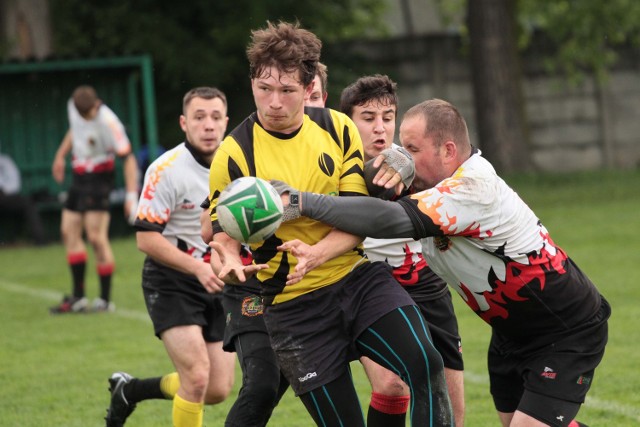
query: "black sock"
77, 274
376, 418
143, 389
105, 272
105, 287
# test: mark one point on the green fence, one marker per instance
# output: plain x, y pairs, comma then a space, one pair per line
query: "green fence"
33, 114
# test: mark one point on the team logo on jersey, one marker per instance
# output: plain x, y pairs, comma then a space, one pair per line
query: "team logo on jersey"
187, 204
307, 377
443, 243
325, 162
252, 306
548, 373
583, 380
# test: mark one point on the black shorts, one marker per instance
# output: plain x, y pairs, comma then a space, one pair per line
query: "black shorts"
90, 192
443, 326
314, 334
176, 299
561, 371
243, 310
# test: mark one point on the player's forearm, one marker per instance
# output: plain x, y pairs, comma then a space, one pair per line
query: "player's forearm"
334, 244
362, 216
130, 170
157, 247
65, 146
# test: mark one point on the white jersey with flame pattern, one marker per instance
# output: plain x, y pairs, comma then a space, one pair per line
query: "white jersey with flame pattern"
174, 185
490, 246
96, 142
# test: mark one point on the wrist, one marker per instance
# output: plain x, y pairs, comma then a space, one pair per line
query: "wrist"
131, 196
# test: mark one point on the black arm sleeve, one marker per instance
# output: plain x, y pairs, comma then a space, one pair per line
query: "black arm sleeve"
362, 216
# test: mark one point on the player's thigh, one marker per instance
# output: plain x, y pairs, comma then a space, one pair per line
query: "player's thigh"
221, 366
96, 225
71, 225
383, 380
186, 348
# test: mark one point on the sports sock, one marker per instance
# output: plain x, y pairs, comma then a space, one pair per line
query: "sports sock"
387, 411
142, 389
187, 414
105, 271
78, 263
169, 385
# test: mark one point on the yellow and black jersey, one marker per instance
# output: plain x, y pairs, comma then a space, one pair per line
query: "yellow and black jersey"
324, 156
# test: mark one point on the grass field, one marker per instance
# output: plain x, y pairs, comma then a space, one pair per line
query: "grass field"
54, 370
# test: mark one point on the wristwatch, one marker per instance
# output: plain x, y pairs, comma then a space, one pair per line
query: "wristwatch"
294, 199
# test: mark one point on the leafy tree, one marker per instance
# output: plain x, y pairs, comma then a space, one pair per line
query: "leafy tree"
201, 42
585, 33
583, 36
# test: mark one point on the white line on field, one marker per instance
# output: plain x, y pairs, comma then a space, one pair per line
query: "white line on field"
53, 296
473, 377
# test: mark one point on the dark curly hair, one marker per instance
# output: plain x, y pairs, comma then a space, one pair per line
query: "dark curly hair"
287, 47
368, 88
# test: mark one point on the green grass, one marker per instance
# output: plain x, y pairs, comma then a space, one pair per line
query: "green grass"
53, 369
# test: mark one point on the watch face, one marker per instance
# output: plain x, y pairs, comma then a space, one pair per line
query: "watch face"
293, 199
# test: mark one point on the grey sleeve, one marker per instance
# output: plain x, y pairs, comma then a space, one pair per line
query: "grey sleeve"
359, 215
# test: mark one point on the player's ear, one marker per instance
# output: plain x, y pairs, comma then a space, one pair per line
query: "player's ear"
183, 122
450, 150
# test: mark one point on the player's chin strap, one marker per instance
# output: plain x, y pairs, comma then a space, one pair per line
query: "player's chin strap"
401, 161
292, 210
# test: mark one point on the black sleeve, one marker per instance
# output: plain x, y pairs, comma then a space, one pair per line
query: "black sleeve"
362, 216
206, 203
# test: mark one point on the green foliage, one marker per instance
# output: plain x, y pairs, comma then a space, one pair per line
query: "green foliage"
54, 368
585, 33
201, 42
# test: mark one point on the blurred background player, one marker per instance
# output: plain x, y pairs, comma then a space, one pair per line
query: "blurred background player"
319, 94
11, 200
372, 104
95, 137
181, 291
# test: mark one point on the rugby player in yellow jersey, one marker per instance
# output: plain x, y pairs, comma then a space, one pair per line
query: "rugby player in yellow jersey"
337, 306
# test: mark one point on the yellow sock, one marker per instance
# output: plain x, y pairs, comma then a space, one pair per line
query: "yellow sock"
187, 414
169, 385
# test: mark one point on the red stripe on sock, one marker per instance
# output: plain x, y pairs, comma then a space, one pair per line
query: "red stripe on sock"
77, 257
393, 405
105, 269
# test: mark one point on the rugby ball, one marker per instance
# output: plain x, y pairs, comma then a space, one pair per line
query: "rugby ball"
249, 209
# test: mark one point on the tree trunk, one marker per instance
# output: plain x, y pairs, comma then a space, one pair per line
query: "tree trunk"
25, 29
497, 84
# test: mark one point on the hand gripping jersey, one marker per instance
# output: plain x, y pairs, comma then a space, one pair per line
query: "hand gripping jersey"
499, 257
174, 185
96, 142
410, 269
323, 156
